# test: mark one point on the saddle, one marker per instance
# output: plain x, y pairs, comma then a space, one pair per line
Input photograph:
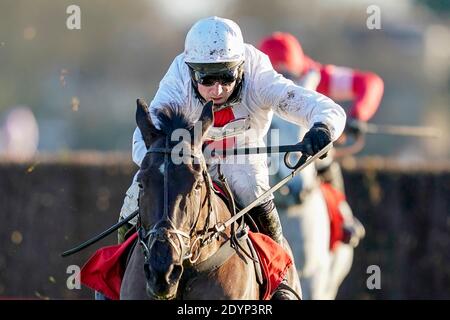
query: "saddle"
104, 271
222, 190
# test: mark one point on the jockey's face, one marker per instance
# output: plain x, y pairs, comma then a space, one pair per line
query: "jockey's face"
219, 93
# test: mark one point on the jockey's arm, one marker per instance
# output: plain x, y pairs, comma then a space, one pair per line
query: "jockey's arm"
368, 89
364, 88
138, 149
310, 80
311, 77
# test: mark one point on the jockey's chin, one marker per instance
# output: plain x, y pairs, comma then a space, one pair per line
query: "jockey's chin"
219, 101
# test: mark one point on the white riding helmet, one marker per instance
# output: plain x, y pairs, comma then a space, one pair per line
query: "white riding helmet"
214, 40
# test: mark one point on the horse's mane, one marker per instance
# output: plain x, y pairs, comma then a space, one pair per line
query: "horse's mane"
172, 117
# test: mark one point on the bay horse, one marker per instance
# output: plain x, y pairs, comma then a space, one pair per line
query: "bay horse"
181, 255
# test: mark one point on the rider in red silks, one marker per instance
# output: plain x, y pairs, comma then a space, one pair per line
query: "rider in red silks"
363, 88
339, 83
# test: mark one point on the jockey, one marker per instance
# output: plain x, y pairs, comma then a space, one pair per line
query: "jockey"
365, 89
217, 65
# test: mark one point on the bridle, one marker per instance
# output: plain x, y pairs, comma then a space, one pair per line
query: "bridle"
165, 230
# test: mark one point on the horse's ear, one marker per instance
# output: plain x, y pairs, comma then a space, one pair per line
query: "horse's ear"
144, 122
207, 117
205, 121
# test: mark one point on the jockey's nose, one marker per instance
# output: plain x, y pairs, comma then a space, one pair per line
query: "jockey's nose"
217, 89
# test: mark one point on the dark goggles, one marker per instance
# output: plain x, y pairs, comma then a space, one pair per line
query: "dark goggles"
225, 78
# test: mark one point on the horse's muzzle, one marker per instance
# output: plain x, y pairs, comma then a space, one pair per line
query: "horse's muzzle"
162, 285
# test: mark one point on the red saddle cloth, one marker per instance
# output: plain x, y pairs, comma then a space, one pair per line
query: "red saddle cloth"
333, 198
104, 271
274, 259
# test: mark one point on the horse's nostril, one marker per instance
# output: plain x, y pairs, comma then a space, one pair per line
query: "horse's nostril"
175, 273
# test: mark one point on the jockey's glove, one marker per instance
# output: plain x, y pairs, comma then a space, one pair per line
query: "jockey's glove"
316, 139
355, 127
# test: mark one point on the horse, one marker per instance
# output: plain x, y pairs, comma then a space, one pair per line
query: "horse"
183, 251
306, 225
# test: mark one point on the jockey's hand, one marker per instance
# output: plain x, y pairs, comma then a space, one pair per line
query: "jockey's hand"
316, 139
355, 127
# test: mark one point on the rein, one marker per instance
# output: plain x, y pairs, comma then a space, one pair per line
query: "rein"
302, 163
219, 227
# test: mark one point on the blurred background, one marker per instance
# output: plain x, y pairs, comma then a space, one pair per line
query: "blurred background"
64, 91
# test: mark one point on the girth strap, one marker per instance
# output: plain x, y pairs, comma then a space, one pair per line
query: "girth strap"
257, 264
221, 256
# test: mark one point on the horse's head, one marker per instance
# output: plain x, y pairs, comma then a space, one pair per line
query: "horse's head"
174, 194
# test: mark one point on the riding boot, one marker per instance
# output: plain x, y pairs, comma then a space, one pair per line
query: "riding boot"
267, 220
122, 232
130, 205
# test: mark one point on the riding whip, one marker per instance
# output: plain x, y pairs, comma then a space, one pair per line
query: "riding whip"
100, 236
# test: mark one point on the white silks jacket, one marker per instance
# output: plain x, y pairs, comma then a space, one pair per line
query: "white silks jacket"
264, 92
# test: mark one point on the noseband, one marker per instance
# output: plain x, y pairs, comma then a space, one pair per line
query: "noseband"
164, 229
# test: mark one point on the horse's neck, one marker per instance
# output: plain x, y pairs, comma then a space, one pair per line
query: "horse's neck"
220, 213
222, 209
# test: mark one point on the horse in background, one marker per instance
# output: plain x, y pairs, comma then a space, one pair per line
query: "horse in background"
306, 224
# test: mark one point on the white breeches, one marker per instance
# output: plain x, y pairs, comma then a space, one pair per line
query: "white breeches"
247, 181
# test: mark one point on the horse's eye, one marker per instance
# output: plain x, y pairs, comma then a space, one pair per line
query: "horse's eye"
140, 186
